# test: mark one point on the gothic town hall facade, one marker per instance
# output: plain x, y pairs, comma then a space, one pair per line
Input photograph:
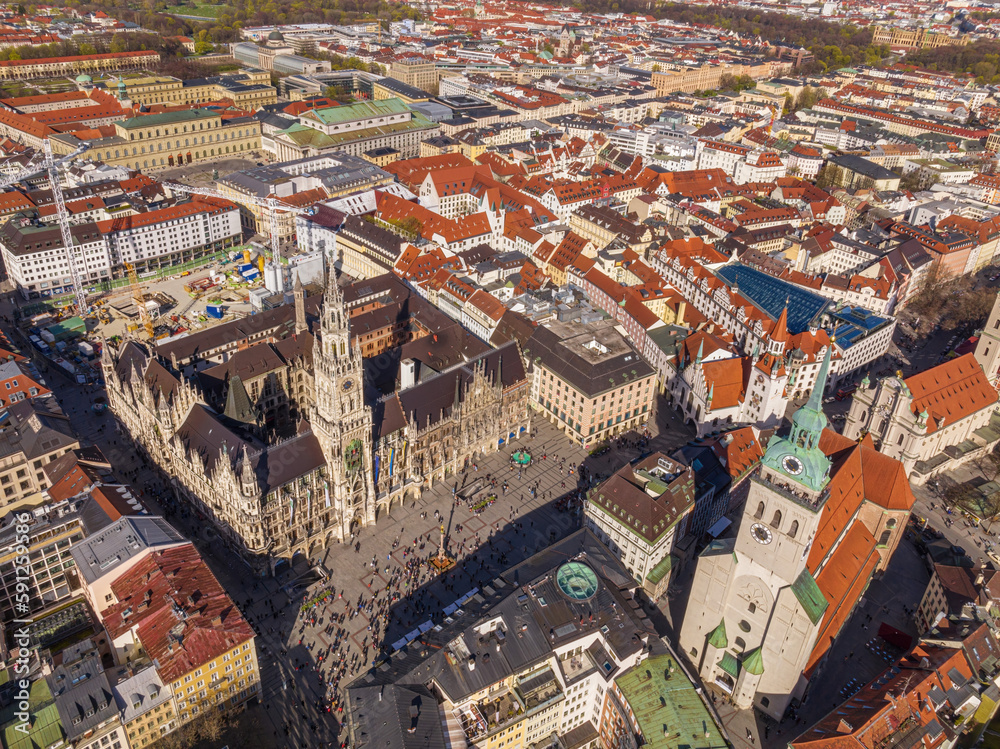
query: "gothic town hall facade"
263, 425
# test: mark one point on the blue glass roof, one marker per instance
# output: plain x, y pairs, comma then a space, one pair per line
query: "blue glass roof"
769, 294
853, 324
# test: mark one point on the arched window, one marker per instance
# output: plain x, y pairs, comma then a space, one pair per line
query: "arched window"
900, 440
884, 538
794, 529
776, 520
760, 511
752, 608
739, 645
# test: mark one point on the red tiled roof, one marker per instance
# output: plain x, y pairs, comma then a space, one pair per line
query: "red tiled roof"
724, 379
181, 614
951, 391
194, 207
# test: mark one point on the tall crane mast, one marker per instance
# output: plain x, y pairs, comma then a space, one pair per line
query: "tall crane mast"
269, 204
62, 218
140, 302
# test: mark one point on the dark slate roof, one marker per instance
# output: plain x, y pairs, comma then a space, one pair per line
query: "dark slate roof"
279, 322
863, 166
426, 401
583, 373
238, 405
387, 415
402, 717
255, 361
205, 433
83, 696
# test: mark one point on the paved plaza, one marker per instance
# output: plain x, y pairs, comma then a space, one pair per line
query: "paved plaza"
375, 605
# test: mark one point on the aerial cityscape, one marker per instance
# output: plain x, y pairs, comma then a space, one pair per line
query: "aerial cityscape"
486, 375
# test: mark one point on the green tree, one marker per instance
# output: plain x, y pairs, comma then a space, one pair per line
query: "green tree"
830, 175
88, 49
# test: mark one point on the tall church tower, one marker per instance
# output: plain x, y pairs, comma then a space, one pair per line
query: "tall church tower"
988, 347
752, 618
339, 417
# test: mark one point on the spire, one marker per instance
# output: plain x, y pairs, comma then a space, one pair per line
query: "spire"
711, 395
701, 352
299, 293
779, 333
815, 402
247, 475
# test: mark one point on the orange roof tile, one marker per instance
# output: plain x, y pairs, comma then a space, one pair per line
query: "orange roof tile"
951, 391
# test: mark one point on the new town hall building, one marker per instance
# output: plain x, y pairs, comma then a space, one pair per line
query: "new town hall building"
268, 427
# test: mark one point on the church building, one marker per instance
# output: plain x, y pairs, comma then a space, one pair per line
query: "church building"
937, 419
824, 515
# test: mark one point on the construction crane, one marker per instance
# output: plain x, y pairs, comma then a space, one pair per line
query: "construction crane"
34, 169
140, 302
62, 218
269, 204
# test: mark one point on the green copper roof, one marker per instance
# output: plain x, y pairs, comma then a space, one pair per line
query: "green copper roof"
729, 664
807, 592
718, 637
308, 136
45, 726
661, 695
168, 118
798, 456
811, 415
661, 570
753, 662
358, 111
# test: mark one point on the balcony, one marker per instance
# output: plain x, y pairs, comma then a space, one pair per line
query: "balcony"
800, 498
501, 710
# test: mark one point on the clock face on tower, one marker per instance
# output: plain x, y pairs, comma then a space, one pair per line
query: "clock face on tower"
348, 383
761, 533
792, 465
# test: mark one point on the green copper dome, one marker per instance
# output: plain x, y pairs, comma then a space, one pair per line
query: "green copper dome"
798, 456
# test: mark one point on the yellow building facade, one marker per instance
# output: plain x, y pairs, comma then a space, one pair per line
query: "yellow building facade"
256, 91
223, 683
169, 139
